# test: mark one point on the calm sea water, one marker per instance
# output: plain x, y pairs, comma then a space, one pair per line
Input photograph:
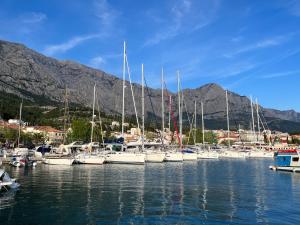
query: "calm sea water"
203, 192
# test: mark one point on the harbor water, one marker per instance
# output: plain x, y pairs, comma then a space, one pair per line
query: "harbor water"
201, 192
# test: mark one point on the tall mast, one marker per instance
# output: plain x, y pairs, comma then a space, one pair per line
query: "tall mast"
20, 118
179, 109
93, 115
252, 115
100, 120
65, 114
170, 108
258, 126
123, 100
202, 118
195, 123
143, 110
227, 113
162, 107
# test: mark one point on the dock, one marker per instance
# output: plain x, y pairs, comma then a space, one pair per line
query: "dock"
285, 168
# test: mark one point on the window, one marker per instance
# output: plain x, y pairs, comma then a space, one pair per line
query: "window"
295, 159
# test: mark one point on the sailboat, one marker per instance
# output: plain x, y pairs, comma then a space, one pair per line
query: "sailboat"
189, 154
61, 155
120, 153
231, 153
20, 151
90, 156
202, 153
258, 152
174, 155
152, 155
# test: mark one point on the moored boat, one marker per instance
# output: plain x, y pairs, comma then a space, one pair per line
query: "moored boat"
125, 158
208, 155
233, 154
20, 151
90, 158
6, 182
189, 155
260, 154
58, 160
287, 160
22, 161
173, 156
154, 156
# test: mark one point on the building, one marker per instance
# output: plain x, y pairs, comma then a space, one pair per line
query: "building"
115, 124
50, 134
17, 122
250, 136
135, 131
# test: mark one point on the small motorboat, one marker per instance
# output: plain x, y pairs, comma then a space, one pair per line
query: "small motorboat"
287, 160
19, 161
6, 182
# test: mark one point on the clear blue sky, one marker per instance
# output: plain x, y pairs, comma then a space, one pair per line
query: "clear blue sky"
251, 47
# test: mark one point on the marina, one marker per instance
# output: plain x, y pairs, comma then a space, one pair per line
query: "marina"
179, 112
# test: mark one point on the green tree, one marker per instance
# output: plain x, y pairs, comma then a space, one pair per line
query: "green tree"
81, 130
10, 134
209, 137
37, 138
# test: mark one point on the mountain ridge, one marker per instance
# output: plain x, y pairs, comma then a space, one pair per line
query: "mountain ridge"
26, 73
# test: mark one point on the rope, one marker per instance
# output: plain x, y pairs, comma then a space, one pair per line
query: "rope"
132, 93
172, 114
151, 104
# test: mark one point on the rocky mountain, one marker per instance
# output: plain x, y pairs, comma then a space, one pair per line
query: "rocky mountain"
29, 74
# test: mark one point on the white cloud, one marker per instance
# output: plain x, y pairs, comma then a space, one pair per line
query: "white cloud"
105, 12
33, 17
233, 70
185, 16
73, 42
281, 74
180, 9
21, 26
265, 43
168, 33
97, 62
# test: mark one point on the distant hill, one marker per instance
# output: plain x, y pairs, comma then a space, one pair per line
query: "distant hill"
33, 76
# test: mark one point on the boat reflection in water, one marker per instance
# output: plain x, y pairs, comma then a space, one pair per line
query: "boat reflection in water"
208, 191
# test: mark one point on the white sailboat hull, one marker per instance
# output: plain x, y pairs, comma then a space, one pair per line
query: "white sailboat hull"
58, 161
20, 151
189, 156
261, 154
207, 155
154, 157
90, 159
125, 158
174, 157
233, 155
